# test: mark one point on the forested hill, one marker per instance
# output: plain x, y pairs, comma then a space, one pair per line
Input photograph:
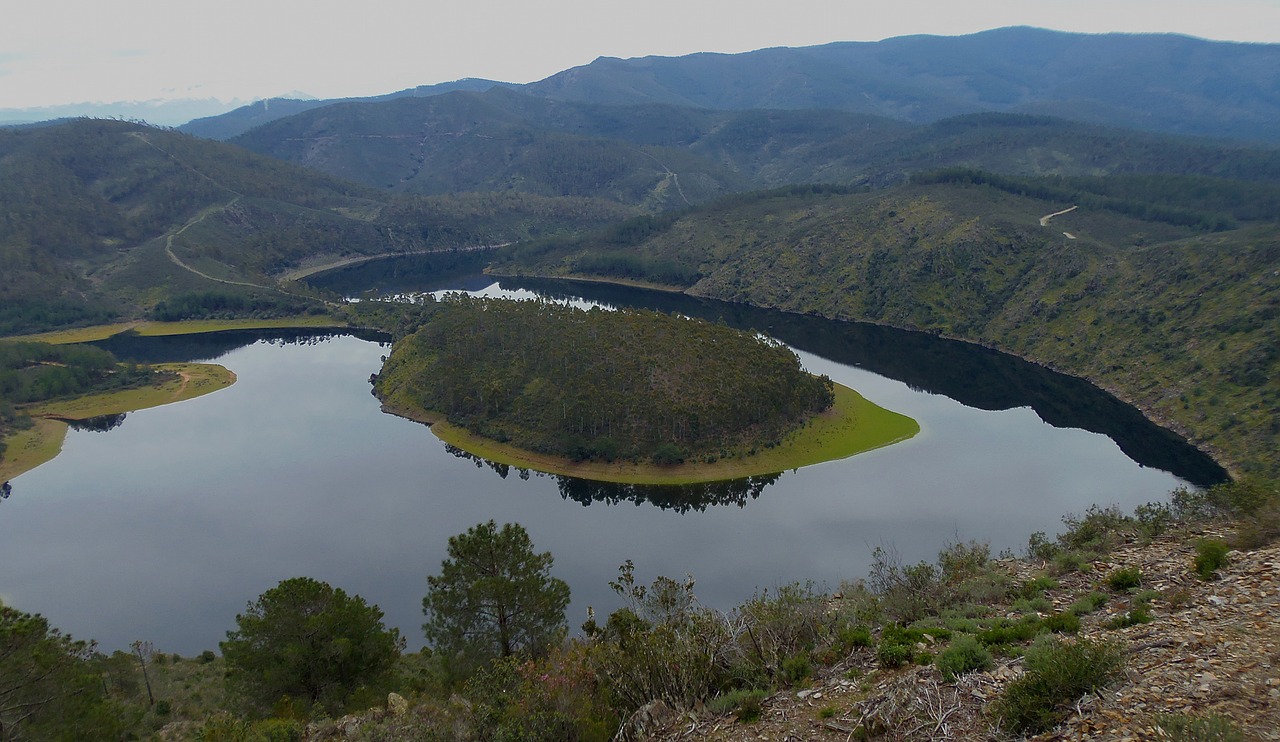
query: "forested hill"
103, 218
1135, 295
605, 385
1158, 82
659, 156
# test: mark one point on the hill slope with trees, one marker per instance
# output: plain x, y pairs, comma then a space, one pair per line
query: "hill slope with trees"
1171, 317
600, 384
106, 218
660, 156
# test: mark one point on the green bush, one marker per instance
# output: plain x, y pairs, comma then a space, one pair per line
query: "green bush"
1057, 674
1063, 623
1138, 614
1089, 603
1211, 728
965, 654
852, 637
1072, 561
894, 655
1037, 587
1127, 578
1038, 604
743, 703
1211, 555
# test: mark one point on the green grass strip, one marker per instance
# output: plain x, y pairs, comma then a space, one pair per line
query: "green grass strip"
851, 426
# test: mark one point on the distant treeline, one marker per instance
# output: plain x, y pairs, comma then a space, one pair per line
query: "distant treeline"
599, 384
1205, 204
221, 305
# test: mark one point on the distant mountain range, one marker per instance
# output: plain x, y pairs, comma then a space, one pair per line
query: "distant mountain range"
1153, 82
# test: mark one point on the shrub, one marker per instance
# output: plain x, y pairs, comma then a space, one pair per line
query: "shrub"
1089, 603
1211, 555
1138, 614
966, 654
1072, 561
1153, 519
744, 703
1099, 530
909, 593
1211, 728
791, 622
1037, 604
796, 668
1057, 674
1124, 579
1038, 586
1063, 623
894, 655
1040, 547
851, 637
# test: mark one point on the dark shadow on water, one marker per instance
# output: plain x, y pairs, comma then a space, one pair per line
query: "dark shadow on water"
970, 374
461, 269
207, 346
681, 498
99, 424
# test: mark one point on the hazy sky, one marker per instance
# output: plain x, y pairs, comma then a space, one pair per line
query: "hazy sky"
64, 51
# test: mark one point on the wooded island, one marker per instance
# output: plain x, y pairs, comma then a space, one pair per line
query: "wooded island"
651, 397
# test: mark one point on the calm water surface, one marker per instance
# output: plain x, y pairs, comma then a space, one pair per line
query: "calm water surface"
164, 527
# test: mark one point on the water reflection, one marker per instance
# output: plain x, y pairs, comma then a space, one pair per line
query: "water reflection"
130, 346
99, 424
682, 498
975, 376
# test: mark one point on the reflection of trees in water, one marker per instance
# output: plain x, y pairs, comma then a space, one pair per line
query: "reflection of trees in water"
679, 497
129, 346
975, 376
99, 424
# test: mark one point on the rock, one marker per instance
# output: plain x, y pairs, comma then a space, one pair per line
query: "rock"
647, 722
397, 704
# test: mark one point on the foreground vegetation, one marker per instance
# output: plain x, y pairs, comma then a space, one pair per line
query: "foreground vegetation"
1038, 637
604, 386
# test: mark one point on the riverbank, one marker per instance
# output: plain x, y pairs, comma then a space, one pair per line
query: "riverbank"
27, 449
183, 327
852, 425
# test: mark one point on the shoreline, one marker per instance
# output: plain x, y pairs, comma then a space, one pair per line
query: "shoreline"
41, 443
852, 425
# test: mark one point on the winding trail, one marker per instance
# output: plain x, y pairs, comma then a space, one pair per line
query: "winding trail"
1044, 220
675, 177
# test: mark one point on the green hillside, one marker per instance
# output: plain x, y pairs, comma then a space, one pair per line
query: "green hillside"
103, 219
658, 156
1178, 320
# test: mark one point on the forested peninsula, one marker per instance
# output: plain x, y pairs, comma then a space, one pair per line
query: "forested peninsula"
652, 397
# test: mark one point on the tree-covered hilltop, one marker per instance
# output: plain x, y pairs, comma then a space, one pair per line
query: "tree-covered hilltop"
599, 384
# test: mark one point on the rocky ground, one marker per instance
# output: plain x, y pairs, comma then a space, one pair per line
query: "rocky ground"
1212, 649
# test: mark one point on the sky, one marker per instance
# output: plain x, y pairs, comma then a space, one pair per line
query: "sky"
71, 51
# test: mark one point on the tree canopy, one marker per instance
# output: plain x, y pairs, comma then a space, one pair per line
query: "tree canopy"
600, 384
49, 687
311, 643
494, 596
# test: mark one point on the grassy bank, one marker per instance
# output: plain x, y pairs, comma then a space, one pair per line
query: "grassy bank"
27, 449
184, 327
851, 426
